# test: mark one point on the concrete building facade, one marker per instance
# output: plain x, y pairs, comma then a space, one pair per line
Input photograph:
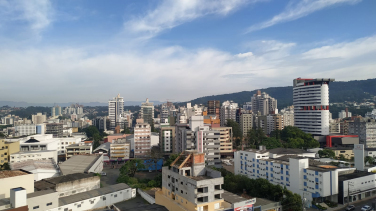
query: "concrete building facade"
189, 185
365, 128
147, 112
167, 139
142, 139
228, 111
263, 103
119, 150
311, 105
246, 123
115, 110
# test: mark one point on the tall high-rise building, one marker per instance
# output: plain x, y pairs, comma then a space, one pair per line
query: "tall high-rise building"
311, 105
142, 139
228, 111
288, 116
365, 128
115, 110
147, 112
264, 104
214, 107
246, 123
56, 111
38, 119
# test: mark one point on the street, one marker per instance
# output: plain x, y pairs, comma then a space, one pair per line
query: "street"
360, 204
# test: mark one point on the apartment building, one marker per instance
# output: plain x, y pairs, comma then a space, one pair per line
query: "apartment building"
311, 105
344, 114
142, 139
167, 139
246, 123
119, 150
78, 149
33, 155
228, 111
214, 108
263, 103
115, 110
365, 128
6, 149
225, 134
56, 129
147, 112
294, 168
25, 130
39, 118
288, 116
56, 111
189, 185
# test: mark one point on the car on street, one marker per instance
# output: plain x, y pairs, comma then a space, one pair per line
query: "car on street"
103, 173
366, 208
350, 207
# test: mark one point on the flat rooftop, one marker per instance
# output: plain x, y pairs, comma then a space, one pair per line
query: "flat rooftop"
199, 178
50, 183
40, 193
29, 165
232, 198
32, 152
11, 173
354, 175
263, 201
91, 194
78, 164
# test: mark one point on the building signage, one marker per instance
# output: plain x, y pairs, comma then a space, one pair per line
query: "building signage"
248, 207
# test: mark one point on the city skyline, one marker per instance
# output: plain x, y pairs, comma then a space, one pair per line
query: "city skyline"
183, 48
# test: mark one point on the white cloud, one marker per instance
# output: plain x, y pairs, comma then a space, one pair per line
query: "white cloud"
37, 13
71, 74
171, 13
298, 10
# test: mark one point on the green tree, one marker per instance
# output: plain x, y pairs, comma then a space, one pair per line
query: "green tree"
326, 153
2, 135
171, 159
5, 166
370, 160
131, 166
236, 131
341, 157
271, 143
126, 131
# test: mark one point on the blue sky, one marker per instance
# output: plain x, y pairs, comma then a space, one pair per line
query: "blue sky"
90, 50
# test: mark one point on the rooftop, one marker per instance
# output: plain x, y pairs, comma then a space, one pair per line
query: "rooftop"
199, 178
353, 175
12, 173
105, 146
78, 164
263, 201
232, 198
29, 165
50, 183
90, 194
40, 193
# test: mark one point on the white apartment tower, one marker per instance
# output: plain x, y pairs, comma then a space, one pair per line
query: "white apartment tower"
311, 105
115, 109
263, 103
142, 139
147, 112
228, 111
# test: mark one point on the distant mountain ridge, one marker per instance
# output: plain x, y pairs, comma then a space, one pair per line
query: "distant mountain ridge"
339, 91
26, 104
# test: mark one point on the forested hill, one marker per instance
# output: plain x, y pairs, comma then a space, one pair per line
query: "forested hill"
338, 92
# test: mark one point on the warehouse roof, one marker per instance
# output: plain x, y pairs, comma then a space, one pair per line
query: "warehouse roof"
78, 164
91, 194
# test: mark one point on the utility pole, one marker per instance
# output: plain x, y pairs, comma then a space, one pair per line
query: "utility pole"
348, 192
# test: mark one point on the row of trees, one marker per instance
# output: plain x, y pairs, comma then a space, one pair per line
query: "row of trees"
261, 188
289, 137
95, 134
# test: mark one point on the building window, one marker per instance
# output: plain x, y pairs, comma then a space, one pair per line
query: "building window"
66, 209
36, 207
104, 198
115, 195
79, 205
49, 204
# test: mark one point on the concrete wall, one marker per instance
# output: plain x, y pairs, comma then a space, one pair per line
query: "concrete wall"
146, 196
37, 155
78, 186
25, 181
42, 203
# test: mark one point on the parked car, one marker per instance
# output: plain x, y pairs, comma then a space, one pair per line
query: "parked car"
103, 173
350, 207
366, 208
